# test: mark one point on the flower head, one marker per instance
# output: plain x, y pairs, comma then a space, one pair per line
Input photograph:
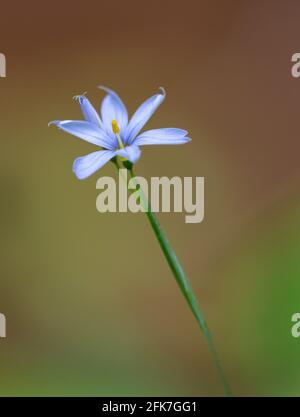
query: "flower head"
114, 134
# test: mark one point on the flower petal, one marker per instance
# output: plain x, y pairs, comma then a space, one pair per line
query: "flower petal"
166, 136
86, 131
85, 166
113, 108
143, 114
88, 110
132, 153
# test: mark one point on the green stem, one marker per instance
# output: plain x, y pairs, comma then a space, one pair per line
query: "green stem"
183, 282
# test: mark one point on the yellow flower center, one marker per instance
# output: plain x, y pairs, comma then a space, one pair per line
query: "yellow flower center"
115, 127
116, 130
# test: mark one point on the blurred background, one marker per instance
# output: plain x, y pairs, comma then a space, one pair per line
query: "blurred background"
91, 305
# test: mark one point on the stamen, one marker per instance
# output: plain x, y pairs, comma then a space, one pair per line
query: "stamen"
115, 127
116, 130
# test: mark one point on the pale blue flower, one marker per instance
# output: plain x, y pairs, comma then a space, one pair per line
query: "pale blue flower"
114, 134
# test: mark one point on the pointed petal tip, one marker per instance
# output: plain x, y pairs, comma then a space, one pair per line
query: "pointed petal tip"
106, 89
54, 122
186, 134
163, 91
79, 96
58, 123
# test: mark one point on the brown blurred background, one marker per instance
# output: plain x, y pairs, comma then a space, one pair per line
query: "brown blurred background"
91, 306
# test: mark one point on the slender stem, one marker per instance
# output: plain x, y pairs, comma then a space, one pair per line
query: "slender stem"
183, 282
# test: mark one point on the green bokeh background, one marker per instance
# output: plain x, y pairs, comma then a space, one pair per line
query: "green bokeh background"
91, 306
